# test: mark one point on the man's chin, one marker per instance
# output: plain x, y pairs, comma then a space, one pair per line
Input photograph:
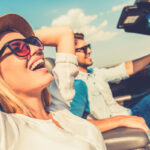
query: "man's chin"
85, 65
89, 64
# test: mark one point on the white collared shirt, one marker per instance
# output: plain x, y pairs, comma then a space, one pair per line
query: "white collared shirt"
101, 102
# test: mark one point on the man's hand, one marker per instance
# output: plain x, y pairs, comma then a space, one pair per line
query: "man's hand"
134, 122
137, 65
121, 121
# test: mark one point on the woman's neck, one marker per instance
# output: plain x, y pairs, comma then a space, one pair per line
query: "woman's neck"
35, 105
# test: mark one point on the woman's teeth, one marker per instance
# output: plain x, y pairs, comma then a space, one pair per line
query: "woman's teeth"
40, 62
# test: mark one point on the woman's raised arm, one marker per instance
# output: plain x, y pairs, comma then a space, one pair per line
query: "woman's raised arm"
66, 63
61, 36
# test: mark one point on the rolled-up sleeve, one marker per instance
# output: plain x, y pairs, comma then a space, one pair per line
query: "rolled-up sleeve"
64, 73
115, 73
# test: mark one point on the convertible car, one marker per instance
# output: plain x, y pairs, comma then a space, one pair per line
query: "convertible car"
134, 19
127, 92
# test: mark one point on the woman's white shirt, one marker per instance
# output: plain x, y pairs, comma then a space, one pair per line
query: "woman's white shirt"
20, 132
64, 72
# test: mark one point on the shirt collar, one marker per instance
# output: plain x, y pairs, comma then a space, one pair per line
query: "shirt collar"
90, 71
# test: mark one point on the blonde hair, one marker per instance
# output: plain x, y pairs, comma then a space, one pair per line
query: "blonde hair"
11, 103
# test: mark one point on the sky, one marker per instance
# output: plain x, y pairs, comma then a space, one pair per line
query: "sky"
97, 19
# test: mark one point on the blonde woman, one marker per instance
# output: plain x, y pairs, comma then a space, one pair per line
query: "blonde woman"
25, 123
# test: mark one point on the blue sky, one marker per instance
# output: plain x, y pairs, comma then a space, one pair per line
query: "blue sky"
97, 19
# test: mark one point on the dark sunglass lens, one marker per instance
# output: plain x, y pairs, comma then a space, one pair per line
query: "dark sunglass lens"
85, 49
89, 46
19, 47
35, 41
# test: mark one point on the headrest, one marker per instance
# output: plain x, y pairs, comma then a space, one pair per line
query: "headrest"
50, 63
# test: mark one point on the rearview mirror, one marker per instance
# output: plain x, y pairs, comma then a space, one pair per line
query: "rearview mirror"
136, 18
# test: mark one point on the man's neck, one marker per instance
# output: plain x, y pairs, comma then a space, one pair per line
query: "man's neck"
83, 69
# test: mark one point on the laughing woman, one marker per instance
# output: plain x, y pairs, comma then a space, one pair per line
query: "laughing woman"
24, 122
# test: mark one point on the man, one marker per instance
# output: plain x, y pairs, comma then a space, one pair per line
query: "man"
94, 97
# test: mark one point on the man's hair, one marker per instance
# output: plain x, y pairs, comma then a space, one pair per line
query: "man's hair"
78, 36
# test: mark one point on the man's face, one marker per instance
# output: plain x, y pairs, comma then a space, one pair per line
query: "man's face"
83, 56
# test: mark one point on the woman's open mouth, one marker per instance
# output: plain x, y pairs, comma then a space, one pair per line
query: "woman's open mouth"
38, 65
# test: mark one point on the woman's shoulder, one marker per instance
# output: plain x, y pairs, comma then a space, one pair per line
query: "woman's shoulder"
65, 116
8, 120
4, 117
8, 129
80, 127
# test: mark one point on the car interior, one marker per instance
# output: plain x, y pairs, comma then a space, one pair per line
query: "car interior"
120, 138
133, 19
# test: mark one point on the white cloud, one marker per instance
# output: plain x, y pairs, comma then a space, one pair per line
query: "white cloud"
118, 7
121, 6
101, 13
74, 17
81, 22
104, 23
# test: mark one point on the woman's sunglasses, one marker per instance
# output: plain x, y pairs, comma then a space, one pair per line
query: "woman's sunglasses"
84, 48
20, 47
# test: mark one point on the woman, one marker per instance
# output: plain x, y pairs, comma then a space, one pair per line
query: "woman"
25, 124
